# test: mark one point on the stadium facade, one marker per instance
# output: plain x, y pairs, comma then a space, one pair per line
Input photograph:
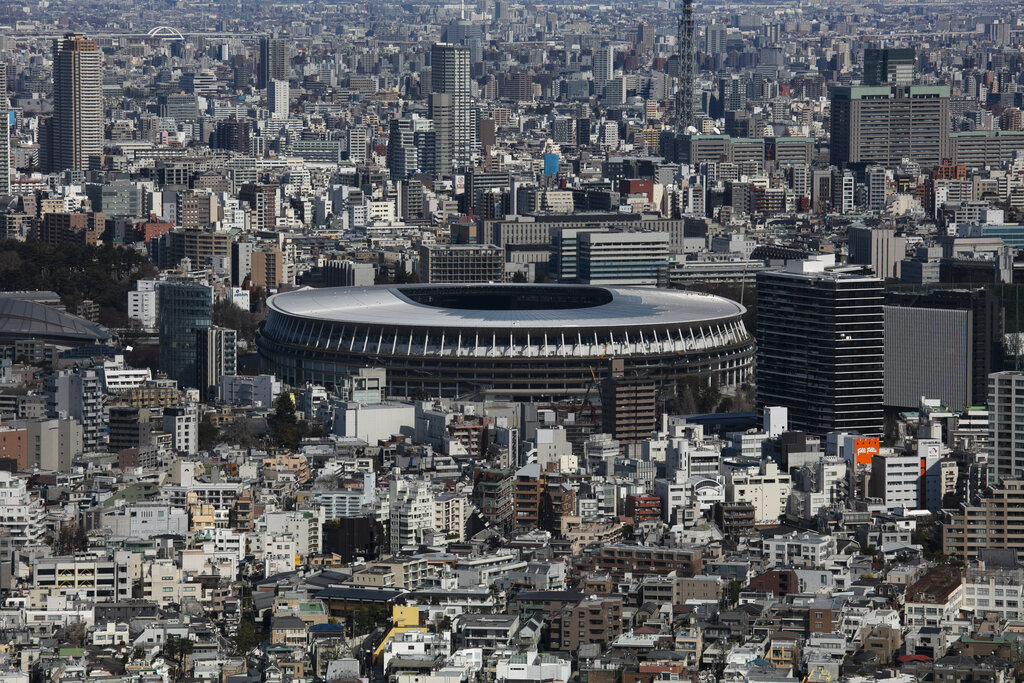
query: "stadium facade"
503, 341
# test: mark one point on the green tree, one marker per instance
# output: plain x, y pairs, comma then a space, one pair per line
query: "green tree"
284, 409
247, 637
208, 435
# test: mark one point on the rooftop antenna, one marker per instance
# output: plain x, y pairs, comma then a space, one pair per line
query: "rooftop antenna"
462, 12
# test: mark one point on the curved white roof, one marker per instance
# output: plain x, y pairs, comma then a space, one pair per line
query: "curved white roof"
387, 305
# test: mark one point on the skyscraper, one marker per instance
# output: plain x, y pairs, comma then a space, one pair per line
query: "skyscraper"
1005, 419
186, 308
604, 68
273, 61
216, 356
889, 66
449, 75
277, 99
820, 346
77, 125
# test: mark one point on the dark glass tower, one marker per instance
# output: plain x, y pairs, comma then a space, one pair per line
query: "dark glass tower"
185, 308
820, 347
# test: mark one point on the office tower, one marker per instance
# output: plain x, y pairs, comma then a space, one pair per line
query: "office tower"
216, 357
629, 405
687, 57
820, 346
77, 125
621, 258
889, 66
273, 61
879, 248
714, 39
449, 75
645, 35
941, 344
886, 124
732, 94
277, 99
442, 144
447, 263
604, 68
1006, 425
185, 309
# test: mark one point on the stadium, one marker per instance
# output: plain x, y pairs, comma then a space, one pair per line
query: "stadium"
503, 341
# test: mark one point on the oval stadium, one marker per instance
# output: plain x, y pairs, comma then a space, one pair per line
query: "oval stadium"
503, 341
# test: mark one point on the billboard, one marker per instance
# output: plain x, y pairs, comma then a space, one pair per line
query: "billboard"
864, 449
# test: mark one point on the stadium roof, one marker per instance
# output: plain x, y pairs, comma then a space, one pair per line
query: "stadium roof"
394, 305
22, 319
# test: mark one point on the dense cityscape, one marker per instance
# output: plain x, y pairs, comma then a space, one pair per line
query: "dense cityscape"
506, 342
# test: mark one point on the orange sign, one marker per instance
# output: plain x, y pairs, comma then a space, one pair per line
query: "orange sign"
864, 450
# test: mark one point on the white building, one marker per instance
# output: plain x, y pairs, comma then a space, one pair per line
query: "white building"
259, 391
146, 520
277, 99
182, 423
533, 666
767, 490
798, 549
349, 502
21, 515
304, 526
896, 479
143, 307
411, 511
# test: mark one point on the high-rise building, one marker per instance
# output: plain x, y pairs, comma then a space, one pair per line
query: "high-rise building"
604, 68
1006, 424
77, 392
889, 66
645, 35
629, 405
887, 124
77, 124
991, 522
216, 356
820, 346
5, 137
876, 180
714, 39
273, 61
449, 75
943, 344
185, 309
277, 99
